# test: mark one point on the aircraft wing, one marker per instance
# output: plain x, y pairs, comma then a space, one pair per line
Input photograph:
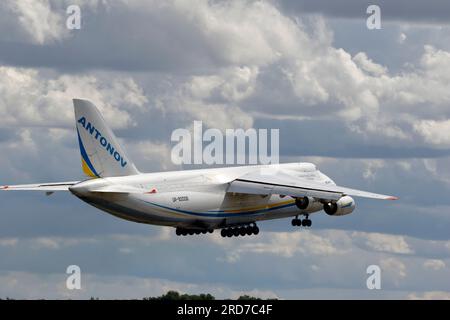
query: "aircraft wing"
64, 186
285, 183
47, 187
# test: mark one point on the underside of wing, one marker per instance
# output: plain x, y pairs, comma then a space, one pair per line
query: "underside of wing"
286, 183
47, 187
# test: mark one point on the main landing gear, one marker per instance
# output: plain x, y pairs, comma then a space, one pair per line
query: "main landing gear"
240, 231
296, 222
185, 232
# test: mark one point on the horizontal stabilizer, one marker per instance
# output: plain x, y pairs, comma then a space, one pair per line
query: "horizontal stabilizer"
47, 187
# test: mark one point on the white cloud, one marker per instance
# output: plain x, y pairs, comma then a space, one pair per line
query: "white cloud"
368, 65
366, 97
436, 63
436, 133
253, 39
324, 258
394, 267
41, 21
434, 264
154, 156
8, 242
438, 168
287, 245
189, 106
248, 33
47, 243
372, 166
356, 89
29, 99
229, 28
38, 20
214, 98
231, 84
385, 242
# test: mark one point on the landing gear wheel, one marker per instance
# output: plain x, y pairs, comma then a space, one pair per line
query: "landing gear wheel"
178, 232
240, 230
309, 223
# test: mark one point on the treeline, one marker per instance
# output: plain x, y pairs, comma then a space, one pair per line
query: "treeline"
175, 295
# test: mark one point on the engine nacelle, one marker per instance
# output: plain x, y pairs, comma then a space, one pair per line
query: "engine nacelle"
343, 206
304, 203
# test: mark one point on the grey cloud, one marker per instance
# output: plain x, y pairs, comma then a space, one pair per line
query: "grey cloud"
331, 138
162, 53
327, 253
115, 36
6, 134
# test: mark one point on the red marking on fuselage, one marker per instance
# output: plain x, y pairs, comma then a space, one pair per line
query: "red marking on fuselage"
152, 191
4, 187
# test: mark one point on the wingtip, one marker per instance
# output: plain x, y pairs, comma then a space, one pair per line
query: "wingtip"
392, 198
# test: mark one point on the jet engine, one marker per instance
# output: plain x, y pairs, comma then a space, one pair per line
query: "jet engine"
304, 203
343, 206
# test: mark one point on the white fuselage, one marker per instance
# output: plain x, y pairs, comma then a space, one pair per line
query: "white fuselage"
194, 198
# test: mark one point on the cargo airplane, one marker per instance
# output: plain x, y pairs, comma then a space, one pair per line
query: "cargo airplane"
231, 199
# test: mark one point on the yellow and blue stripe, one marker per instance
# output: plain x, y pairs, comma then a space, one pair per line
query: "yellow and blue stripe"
86, 164
230, 213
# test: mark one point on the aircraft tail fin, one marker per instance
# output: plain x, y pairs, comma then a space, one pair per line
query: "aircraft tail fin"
101, 154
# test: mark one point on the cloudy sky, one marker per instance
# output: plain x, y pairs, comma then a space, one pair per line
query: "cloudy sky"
370, 107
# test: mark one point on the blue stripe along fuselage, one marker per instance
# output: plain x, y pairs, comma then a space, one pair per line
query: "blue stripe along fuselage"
221, 215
